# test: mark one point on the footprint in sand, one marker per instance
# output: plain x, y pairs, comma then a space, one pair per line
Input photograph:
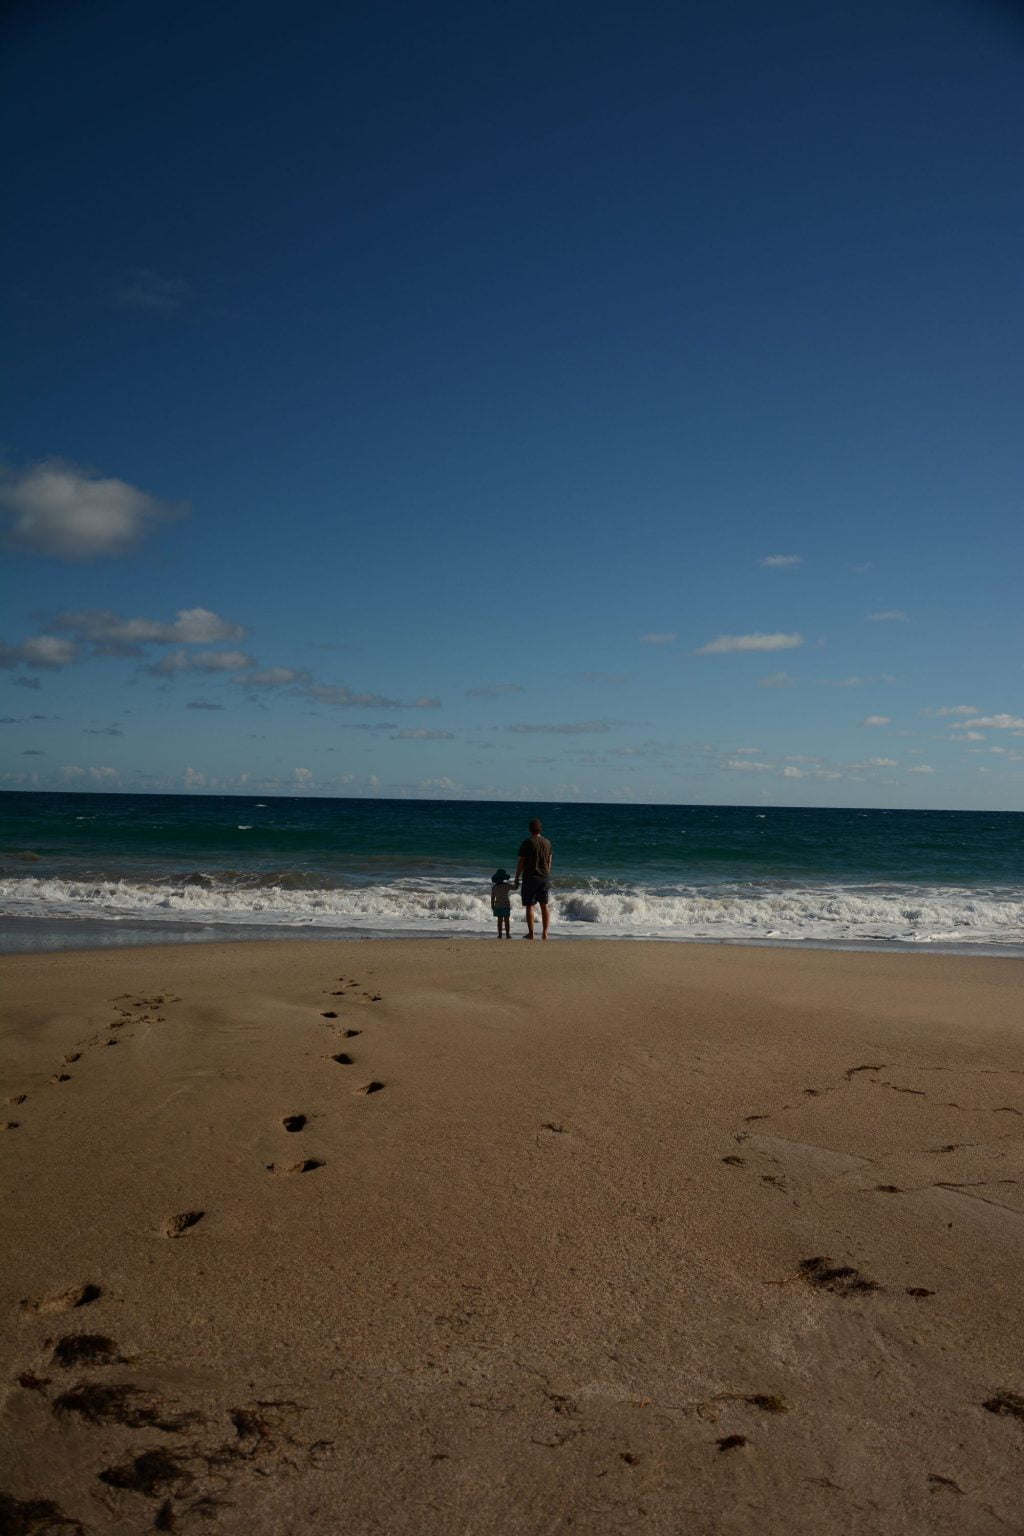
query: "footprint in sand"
36, 1515
86, 1349
17, 1098
307, 1165
353, 987
12, 1125
841, 1280
61, 1077
371, 1087
104, 1403
343, 1059
62, 1301
294, 1122
350, 1034
174, 1226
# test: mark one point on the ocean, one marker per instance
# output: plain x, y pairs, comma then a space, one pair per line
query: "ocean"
91, 870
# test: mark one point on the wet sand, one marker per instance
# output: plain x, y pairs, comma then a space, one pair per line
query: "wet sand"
429, 1237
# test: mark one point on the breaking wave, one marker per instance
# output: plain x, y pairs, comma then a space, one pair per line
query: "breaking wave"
836, 914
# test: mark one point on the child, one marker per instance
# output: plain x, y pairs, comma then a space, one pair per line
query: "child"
501, 899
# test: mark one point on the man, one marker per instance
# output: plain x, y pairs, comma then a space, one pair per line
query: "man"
534, 869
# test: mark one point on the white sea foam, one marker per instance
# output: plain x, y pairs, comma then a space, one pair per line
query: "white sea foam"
826, 914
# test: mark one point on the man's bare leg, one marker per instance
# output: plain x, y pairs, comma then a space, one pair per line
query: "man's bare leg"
544, 918
529, 922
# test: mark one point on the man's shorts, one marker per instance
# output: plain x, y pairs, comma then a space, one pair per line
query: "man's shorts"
534, 891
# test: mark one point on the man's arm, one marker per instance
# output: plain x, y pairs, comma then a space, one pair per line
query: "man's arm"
519, 867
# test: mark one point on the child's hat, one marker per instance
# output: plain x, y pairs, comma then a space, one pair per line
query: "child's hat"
499, 876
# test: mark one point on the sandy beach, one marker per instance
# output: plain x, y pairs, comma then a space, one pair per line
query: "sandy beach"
465, 1237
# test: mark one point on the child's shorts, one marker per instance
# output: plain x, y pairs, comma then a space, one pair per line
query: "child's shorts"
503, 911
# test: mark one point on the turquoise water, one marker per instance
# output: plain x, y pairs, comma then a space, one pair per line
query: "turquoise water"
104, 867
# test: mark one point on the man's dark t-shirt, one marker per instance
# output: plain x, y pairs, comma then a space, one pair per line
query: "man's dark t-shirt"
536, 855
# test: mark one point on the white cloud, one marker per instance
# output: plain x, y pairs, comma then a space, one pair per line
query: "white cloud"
340, 697
953, 709
442, 784
272, 677
578, 728
746, 765
110, 635
882, 762
658, 639
142, 288
789, 772
70, 513
336, 695
198, 626
99, 775
996, 723
220, 661
921, 768
755, 642
963, 735
895, 615
422, 735
780, 562
494, 690
49, 651
777, 680
862, 567
747, 751
877, 720
200, 661
193, 779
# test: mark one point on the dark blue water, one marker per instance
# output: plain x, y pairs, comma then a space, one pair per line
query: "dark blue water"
389, 866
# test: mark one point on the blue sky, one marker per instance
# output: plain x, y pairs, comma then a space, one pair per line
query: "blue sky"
515, 401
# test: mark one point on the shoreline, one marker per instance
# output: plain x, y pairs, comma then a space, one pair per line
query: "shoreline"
33, 935
408, 1238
